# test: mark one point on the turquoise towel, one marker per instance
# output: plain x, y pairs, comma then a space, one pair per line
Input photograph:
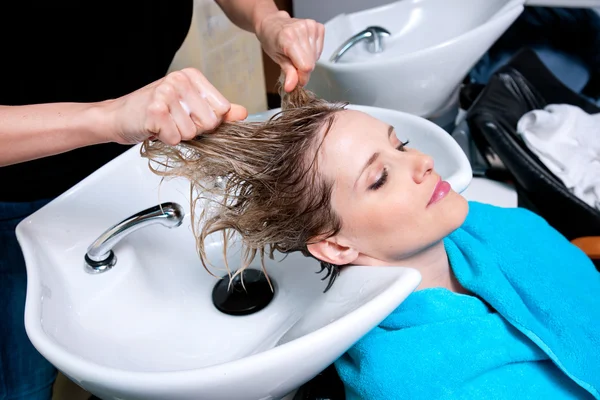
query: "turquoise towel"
532, 330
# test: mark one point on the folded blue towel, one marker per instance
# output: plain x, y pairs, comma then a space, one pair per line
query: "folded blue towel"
531, 330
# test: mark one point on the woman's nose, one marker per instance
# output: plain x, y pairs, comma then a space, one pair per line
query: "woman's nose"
423, 166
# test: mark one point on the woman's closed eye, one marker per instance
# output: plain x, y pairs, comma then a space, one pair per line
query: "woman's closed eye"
381, 181
384, 175
401, 146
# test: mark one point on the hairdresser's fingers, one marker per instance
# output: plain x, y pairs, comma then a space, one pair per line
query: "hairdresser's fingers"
292, 42
291, 76
298, 57
213, 116
313, 43
185, 126
175, 87
218, 106
200, 111
191, 111
236, 113
312, 34
217, 102
303, 78
320, 40
204, 117
302, 75
160, 123
302, 55
306, 31
171, 125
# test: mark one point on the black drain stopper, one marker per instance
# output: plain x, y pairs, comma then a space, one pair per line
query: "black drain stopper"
243, 299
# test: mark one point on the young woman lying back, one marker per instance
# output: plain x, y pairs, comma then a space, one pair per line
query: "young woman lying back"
507, 307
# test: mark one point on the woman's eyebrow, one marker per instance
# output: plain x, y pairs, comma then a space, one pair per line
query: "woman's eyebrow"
372, 159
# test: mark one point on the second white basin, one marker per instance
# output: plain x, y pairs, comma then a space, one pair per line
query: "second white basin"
433, 45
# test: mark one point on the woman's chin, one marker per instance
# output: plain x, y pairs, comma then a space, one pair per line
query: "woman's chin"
461, 208
454, 209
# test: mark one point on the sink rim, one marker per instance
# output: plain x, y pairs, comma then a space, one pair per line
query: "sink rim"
508, 13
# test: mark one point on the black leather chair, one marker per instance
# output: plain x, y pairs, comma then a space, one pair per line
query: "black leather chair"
325, 386
522, 85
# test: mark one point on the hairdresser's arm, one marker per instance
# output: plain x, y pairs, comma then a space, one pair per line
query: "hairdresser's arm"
294, 44
35, 131
41, 130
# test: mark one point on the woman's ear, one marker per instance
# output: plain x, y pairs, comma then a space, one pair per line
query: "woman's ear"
330, 251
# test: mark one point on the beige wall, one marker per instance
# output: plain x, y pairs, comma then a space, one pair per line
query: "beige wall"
229, 57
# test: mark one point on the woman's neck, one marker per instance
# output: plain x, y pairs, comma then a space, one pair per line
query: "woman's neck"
432, 263
434, 266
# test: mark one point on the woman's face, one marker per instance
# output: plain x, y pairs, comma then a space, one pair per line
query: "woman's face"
391, 202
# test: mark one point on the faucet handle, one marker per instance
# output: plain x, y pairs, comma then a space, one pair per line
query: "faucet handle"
373, 34
100, 256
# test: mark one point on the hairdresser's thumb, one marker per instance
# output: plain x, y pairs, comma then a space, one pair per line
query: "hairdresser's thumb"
291, 77
236, 113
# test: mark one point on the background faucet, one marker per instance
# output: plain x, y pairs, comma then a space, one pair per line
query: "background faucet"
373, 35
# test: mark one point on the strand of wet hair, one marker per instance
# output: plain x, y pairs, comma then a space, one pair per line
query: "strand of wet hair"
333, 271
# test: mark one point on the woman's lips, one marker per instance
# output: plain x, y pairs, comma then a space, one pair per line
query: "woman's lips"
441, 190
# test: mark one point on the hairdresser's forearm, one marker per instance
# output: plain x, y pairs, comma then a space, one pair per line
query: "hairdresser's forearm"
247, 14
41, 130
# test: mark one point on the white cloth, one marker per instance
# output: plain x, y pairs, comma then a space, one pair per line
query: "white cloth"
567, 141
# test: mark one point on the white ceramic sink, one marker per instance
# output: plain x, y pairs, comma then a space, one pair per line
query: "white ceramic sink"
432, 46
147, 328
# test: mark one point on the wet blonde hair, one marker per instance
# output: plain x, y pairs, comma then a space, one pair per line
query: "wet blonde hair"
272, 194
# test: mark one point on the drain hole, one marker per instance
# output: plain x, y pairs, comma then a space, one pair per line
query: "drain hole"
237, 299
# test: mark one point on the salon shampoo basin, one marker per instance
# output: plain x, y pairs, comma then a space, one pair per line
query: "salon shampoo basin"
148, 328
431, 47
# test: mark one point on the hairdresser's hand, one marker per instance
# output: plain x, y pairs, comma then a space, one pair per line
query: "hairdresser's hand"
156, 110
294, 44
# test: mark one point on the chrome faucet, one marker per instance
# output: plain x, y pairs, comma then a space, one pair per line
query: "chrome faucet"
373, 35
100, 257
